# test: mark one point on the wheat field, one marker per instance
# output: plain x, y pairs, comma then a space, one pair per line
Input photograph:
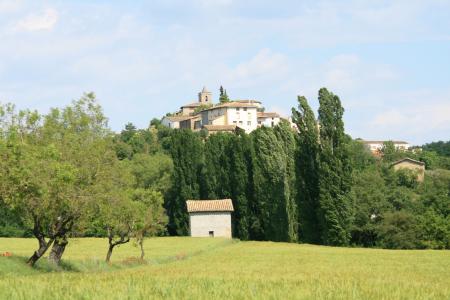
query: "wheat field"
205, 268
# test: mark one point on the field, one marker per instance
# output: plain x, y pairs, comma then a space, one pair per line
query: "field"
196, 268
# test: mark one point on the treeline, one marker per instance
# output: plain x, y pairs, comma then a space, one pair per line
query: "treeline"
313, 185
66, 174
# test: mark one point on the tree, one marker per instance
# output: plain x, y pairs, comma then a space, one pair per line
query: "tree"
272, 207
335, 172
223, 96
53, 162
155, 219
186, 150
307, 161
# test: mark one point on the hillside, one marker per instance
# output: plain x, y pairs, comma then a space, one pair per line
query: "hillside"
215, 268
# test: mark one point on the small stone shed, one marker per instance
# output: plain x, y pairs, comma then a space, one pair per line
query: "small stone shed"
411, 164
210, 218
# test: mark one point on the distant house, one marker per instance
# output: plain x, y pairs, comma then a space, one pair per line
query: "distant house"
268, 119
411, 164
173, 121
377, 146
240, 114
210, 218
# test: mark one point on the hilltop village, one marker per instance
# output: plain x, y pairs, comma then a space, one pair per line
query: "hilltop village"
230, 115
225, 116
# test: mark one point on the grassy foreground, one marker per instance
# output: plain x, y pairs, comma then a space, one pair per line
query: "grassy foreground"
196, 268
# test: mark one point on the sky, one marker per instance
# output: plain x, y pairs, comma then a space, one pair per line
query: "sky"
388, 61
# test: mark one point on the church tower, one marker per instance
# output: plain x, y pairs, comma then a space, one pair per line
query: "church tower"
205, 97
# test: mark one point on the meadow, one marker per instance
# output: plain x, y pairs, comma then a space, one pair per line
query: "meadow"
204, 268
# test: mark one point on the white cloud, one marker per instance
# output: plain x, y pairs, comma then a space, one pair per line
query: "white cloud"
44, 20
8, 6
265, 66
425, 116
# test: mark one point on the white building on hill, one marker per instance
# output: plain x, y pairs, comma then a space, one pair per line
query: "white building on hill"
377, 146
247, 115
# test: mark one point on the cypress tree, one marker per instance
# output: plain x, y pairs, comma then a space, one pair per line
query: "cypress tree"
238, 150
307, 169
335, 172
187, 154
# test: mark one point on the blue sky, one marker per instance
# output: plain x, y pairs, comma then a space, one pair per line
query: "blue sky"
389, 61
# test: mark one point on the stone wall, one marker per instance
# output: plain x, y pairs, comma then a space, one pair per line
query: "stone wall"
202, 223
420, 169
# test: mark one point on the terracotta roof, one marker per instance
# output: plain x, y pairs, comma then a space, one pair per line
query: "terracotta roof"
209, 205
381, 142
194, 104
177, 118
247, 101
220, 127
267, 115
410, 160
232, 104
237, 104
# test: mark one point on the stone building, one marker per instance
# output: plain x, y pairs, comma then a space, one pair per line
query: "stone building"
411, 164
210, 218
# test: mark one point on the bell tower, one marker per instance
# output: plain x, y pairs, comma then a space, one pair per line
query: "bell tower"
205, 97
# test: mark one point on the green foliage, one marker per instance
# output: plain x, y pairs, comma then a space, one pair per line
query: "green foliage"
223, 98
398, 230
441, 148
334, 172
307, 162
186, 149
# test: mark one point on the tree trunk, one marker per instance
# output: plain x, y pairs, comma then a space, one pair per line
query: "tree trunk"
141, 244
43, 244
124, 238
108, 255
57, 251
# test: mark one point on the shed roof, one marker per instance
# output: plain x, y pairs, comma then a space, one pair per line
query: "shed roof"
209, 205
417, 162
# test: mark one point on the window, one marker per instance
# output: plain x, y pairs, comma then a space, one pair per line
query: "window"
234, 122
272, 124
240, 122
245, 108
237, 109
259, 122
249, 123
211, 233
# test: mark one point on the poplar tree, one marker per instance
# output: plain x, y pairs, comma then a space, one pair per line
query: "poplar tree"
334, 172
307, 167
270, 220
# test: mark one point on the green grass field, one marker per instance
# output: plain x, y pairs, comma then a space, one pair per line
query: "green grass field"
196, 268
